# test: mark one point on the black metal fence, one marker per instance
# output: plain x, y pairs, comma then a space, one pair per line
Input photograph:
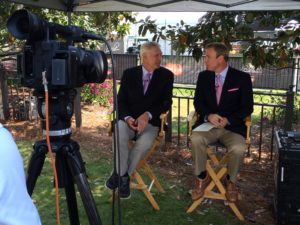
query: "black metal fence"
273, 109
122, 62
17, 102
186, 71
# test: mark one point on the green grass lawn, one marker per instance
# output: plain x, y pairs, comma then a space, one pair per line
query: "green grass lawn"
136, 211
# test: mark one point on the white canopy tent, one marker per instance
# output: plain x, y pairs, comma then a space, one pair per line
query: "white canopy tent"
165, 5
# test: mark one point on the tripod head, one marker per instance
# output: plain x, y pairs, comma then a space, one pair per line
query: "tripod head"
60, 112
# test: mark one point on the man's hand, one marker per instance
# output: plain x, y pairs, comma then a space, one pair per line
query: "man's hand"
224, 122
132, 123
142, 122
217, 120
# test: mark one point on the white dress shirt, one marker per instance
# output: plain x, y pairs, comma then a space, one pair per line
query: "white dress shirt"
16, 206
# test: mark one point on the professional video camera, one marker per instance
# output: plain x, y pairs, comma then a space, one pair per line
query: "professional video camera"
66, 66
54, 69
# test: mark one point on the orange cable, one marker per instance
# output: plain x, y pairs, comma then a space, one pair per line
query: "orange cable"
50, 152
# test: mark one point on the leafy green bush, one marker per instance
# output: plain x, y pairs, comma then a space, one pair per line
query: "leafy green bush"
279, 111
296, 108
101, 94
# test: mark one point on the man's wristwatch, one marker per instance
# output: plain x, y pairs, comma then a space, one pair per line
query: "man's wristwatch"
206, 118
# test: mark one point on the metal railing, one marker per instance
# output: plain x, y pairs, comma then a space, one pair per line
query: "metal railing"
272, 110
186, 70
273, 114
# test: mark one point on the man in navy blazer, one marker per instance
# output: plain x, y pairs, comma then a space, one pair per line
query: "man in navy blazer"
226, 114
145, 93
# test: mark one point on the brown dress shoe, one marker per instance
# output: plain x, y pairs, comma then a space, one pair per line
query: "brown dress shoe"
200, 185
231, 191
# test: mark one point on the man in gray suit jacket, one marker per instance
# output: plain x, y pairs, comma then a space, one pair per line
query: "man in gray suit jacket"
224, 98
145, 93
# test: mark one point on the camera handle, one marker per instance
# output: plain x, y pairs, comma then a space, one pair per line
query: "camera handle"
69, 164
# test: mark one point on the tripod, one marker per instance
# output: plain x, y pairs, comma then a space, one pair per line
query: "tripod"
69, 164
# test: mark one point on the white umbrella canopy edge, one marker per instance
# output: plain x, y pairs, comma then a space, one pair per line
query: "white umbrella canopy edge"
164, 5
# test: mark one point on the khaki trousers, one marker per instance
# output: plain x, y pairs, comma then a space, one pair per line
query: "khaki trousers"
235, 144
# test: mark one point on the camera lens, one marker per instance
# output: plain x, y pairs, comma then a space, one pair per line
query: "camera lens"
23, 25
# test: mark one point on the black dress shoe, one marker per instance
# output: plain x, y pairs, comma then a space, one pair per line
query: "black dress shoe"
112, 182
125, 187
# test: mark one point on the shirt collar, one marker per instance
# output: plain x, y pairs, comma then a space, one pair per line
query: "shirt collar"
223, 74
146, 72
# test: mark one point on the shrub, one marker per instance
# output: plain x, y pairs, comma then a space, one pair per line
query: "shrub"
101, 94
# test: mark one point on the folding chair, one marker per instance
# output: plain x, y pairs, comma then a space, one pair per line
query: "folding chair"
217, 169
143, 164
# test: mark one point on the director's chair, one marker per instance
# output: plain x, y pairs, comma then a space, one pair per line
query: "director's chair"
217, 169
143, 164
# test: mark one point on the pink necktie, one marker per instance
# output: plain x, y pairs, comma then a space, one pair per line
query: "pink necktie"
146, 81
219, 87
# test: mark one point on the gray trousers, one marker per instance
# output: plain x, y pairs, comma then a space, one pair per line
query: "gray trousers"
235, 144
129, 158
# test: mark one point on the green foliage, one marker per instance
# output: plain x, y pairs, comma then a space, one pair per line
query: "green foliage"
6, 40
101, 94
229, 28
296, 109
112, 25
272, 114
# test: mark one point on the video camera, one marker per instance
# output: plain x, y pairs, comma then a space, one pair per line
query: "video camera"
66, 65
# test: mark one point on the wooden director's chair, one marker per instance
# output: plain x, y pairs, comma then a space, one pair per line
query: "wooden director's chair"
217, 169
143, 164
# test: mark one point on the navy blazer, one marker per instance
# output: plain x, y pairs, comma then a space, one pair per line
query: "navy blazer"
236, 101
158, 98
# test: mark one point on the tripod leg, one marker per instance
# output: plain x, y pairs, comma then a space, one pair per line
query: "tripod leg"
76, 166
87, 199
65, 180
72, 203
35, 165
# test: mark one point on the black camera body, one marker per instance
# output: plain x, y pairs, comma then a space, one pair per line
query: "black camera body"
61, 65
65, 65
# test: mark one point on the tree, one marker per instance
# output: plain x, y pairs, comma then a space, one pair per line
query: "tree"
111, 25
232, 27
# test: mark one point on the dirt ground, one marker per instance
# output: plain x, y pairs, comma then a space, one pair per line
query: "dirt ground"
255, 180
